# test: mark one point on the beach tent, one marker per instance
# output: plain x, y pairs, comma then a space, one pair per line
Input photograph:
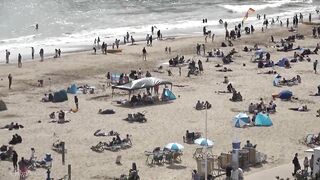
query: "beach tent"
282, 62
72, 89
60, 96
240, 120
285, 95
3, 106
263, 120
168, 95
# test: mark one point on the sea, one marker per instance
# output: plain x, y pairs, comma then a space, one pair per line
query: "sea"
72, 25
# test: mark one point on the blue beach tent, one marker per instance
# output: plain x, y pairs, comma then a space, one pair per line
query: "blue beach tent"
263, 120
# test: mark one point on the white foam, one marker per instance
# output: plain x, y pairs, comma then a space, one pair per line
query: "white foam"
267, 4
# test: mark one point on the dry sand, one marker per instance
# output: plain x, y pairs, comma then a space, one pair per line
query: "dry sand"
166, 123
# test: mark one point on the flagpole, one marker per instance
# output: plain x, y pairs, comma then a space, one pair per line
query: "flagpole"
206, 145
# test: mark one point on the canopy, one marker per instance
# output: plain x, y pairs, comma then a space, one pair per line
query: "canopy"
204, 142
263, 120
142, 83
285, 94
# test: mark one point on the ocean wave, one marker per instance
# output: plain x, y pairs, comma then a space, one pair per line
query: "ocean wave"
267, 4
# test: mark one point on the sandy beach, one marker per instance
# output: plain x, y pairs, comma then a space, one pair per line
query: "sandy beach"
166, 122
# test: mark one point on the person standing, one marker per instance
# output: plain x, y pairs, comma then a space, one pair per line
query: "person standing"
311, 165
179, 70
7, 56
76, 101
306, 164
10, 80
41, 53
59, 53
15, 161
144, 54
315, 64
19, 61
309, 17
32, 52
200, 66
296, 164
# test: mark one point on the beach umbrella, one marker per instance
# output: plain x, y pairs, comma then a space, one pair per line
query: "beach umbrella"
243, 117
239, 123
204, 142
285, 94
174, 146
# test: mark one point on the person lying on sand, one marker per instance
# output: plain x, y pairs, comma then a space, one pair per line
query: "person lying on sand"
268, 72
99, 132
302, 108
106, 111
224, 70
12, 126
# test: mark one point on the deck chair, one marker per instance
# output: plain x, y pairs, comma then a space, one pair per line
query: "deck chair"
197, 153
118, 160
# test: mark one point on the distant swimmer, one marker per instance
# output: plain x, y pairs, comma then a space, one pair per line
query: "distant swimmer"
37, 26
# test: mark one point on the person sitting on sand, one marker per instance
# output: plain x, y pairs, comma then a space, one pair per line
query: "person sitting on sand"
236, 96
252, 108
190, 136
271, 108
61, 116
302, 108
199, 105
127, 139
45, 98
207, 105
52, 115
225, 80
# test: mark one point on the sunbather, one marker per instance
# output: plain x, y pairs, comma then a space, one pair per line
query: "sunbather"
106, 111
303, 108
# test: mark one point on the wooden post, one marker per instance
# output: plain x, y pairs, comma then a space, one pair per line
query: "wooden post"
69, 172
63, 152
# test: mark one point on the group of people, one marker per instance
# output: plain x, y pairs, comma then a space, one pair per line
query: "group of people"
203, 105
262, 107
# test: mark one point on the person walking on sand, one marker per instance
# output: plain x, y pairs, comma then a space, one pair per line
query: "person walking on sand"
296, 164
315, 64
41, 53
15, 161
19, 61
7, 56
76, 101
32, 52
10, 80
144, 54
